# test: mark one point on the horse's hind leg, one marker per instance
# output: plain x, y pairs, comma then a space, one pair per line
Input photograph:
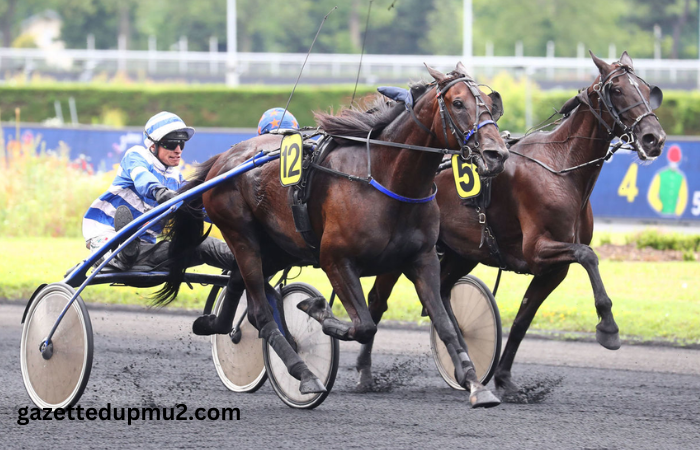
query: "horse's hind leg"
540, 288
209, 324
425, 275
377, 303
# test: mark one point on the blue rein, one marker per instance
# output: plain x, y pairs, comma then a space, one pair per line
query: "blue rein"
473, 131
401, 198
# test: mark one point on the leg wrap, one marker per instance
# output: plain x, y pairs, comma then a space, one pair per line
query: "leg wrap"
279, 344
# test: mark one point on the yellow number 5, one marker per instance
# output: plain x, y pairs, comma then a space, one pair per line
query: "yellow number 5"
628, 187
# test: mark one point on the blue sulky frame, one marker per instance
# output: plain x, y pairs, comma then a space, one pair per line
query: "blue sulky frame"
78, 276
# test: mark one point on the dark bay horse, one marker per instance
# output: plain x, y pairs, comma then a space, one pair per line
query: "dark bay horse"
362, 231
542, 220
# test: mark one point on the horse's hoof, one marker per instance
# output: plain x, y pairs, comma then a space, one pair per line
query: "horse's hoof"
316, 307
506, 385
205, 326
611, 341
365, 380
311, 385
483, 398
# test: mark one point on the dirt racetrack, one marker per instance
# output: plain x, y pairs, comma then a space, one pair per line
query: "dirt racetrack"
583, 396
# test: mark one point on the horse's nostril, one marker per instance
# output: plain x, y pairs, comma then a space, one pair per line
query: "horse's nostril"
649, 140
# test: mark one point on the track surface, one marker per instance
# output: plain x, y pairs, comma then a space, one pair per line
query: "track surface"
582, 396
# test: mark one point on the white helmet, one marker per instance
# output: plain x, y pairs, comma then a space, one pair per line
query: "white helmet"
162, 124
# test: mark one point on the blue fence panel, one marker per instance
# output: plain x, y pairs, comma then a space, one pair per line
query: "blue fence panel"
101, 149
666, 190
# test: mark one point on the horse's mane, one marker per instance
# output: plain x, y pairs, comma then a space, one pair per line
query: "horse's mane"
375, 115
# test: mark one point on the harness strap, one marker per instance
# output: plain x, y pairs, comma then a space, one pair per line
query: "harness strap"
401, 198
442, 151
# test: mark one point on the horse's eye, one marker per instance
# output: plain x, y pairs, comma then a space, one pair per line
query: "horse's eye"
458, 104
616, 91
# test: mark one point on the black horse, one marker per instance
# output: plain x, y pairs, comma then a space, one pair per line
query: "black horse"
385, 222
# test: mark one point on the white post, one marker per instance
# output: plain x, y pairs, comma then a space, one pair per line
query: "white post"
122, 52
182, 45
657, 46
467, 34
489, 54
152, 49
519, 50
91, 49
528, 98
231, 44
73, 111
550, 54
580, 54
213, 50
657, 42
612, 52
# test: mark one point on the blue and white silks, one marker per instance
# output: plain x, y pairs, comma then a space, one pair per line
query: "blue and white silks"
139, 174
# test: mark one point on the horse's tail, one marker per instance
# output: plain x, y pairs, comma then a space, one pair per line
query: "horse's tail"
185, 231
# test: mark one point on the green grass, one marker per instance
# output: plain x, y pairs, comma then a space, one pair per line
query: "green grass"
650, 300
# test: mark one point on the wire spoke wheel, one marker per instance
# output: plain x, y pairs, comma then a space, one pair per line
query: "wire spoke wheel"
479, 322
59, 381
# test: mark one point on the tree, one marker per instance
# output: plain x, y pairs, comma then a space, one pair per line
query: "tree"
672, 16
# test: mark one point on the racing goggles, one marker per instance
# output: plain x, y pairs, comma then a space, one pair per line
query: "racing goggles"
172, 144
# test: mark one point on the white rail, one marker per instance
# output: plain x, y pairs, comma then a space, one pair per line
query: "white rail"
211, 66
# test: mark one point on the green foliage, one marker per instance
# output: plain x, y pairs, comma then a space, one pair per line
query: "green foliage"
218, 106
667, 241
41, 195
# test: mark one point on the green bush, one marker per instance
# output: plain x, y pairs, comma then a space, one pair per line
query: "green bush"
667, 241
241, 107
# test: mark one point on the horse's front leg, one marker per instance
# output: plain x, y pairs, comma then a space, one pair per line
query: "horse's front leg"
345, 280
425, 275
546, 255
539, 289
377, 301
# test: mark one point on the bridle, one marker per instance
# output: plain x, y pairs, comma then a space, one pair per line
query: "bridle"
603, 88
462, 137
466, 151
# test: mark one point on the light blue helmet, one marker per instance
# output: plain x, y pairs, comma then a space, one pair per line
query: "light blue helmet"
270, 120
162, 124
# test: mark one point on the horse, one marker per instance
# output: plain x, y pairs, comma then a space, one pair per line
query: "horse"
364, 226
541, 218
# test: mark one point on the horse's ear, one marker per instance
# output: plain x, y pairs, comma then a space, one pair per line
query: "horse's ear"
603, 67
461, 69
496, 105
625, 60
436, 74
656, 96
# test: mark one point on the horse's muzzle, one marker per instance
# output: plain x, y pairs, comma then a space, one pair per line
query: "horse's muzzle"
491, 162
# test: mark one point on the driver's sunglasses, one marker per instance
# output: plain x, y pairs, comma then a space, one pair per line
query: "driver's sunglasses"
172, 144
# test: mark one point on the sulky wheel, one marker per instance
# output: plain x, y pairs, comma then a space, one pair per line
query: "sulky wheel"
479, 321
56, 378
319, 351
238, 355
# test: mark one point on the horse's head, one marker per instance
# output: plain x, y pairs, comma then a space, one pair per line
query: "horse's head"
471, 116
631, 102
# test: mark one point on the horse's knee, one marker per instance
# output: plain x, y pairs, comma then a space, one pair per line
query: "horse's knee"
364, 332
586, 256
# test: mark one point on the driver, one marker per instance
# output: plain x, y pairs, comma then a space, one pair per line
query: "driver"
148, 176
